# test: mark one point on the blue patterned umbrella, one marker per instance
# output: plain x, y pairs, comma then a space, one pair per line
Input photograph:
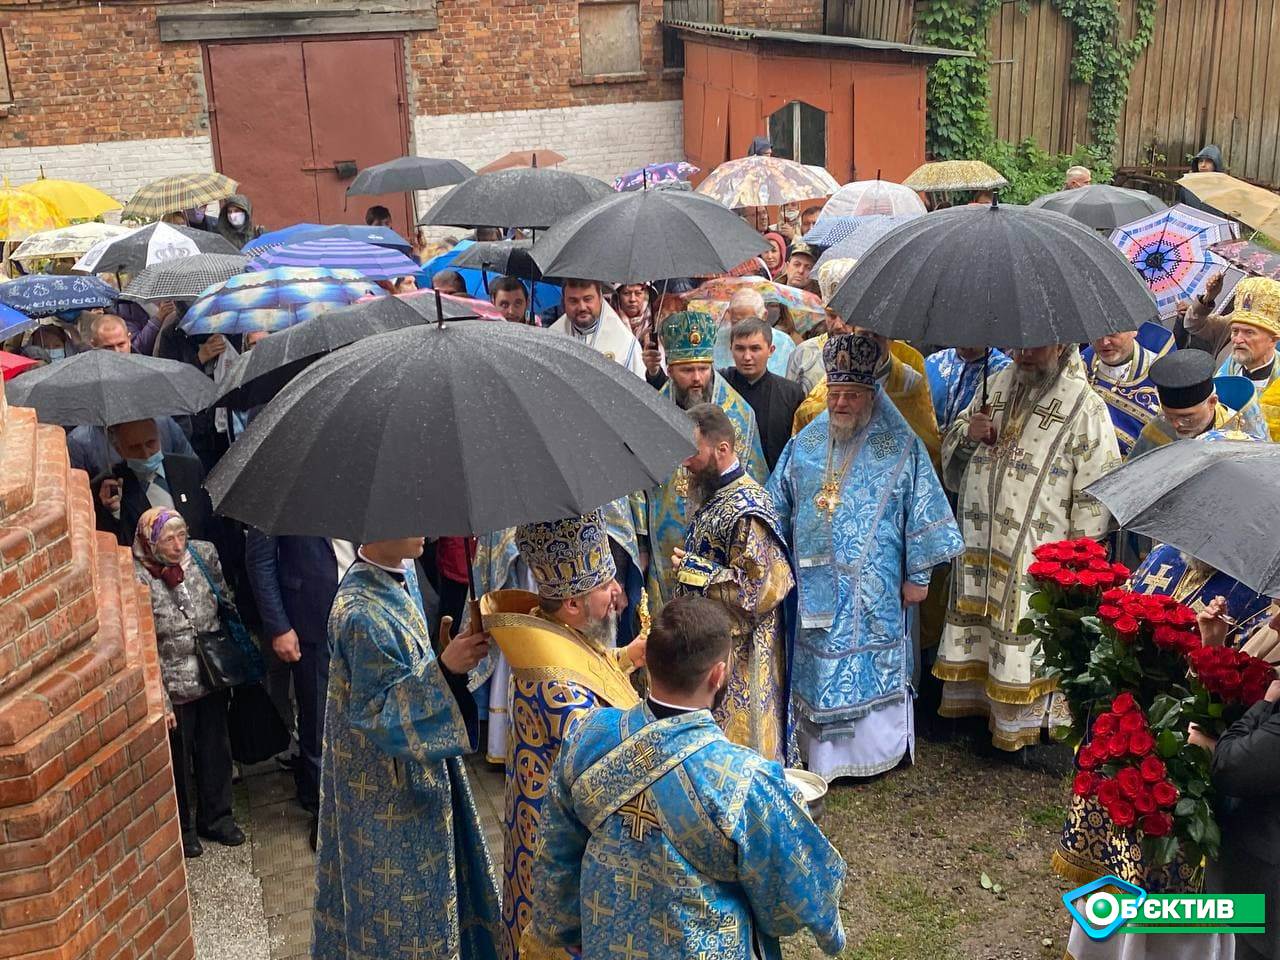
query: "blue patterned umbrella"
828, 231
336, 253
1170, 251
274, 299
43, 294
377, 236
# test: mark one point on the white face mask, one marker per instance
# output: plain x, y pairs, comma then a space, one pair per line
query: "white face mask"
237, 218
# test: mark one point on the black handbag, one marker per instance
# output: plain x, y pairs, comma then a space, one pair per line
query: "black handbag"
256, 729
228, 656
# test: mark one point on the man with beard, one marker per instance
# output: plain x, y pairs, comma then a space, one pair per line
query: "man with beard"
587, 317
805, 366
1119, 367
558, 646
734, 552
1020, 466
868, 521
661, 839
687, 339
1190, 405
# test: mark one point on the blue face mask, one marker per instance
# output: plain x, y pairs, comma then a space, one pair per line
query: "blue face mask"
57, 353
150, 465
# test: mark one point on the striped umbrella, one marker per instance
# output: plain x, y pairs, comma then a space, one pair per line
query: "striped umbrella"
72, 241
274, 299
185, 278
766, 182
335, 253
285, 236
180, 192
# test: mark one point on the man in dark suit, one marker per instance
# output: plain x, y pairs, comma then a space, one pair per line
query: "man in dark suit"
294, 580
773, 398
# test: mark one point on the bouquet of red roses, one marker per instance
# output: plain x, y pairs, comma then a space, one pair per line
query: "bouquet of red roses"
1224, 684
1146, 640
1078, 566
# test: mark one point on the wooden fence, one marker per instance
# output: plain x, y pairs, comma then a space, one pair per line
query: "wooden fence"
1207, 76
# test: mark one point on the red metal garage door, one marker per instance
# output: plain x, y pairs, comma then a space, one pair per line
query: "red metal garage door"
286, 113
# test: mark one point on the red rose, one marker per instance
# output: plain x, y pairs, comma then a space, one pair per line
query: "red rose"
1110, 612
1124, 703
1152, 769
1122, 814
1141, 743
1145, 802
1132, 722
1165, 793
1121, 571
1114, 595
1043, 569
1088, 759
1064, 578
1184, 616
1108, 792
1105, 725
1156, 824
1231, 686
1126, 626
1084, 784
1088, 579
1118, 745
1050, 551
1130, 782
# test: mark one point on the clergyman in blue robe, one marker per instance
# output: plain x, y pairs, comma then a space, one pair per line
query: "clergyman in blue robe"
955, 378
401, 870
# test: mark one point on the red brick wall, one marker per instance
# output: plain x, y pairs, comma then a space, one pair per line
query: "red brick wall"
90, 849
802, 15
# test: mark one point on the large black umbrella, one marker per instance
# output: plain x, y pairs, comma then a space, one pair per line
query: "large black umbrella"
443, 429
531, 197
499, 256
256, 376
1215, 500
1100, 205
408, 173
103, 387
647, 235
994, 276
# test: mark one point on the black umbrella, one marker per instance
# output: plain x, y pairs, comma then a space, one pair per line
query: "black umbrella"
499, 256
408, 173
526, 197
1100, 205
257, 375
185, 278
647, 235
1214, 500
442, 429
150, 245
994, 276
103, 387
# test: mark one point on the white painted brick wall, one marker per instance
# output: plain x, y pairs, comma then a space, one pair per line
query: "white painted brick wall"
116, 168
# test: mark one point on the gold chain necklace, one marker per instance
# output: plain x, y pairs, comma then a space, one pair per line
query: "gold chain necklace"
828, 497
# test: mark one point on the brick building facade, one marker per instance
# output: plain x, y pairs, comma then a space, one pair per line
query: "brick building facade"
118, 93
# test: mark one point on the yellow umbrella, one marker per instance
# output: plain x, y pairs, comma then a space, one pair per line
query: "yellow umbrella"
1255, 206
75, 201
22, 214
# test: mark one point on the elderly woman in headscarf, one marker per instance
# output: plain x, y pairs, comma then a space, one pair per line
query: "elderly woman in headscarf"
235, 222
184, 579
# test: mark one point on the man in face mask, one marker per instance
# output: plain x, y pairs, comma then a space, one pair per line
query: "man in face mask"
48, 343
236, 221
148, 477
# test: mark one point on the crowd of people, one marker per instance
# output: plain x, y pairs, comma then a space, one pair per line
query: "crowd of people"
853, 527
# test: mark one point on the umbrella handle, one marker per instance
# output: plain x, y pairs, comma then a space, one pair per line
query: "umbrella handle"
473, 603
986, 360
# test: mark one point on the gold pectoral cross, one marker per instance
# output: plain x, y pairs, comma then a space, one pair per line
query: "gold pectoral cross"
828, 497
682, 482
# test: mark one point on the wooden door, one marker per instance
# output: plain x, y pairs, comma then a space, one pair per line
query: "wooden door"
888, 120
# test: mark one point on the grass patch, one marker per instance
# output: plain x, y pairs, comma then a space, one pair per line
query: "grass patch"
920, 926
1046, 814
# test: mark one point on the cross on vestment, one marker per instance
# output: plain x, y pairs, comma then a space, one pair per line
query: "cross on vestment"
1021, 464
412, 898
629, 951
364, 786
366, 939
969, 639
976, 571
1049, 415
642, 759
634, 881
417, 951
1089, 503
997, 654
362, 838
828, 497
386, 921
665, 927
1057, 471
802, 868
389, 816
724, 770
387, 870
998, 403
976, 515
638, 816
430, 860
363, 890
598, 909
1160, 580
1007, 520
1043, 523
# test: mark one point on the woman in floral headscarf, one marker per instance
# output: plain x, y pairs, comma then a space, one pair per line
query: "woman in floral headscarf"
775, 258
181, 577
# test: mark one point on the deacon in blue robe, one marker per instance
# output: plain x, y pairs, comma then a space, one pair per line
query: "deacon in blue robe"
867, 521
661, 839
401, 869
955, 378
1125, 383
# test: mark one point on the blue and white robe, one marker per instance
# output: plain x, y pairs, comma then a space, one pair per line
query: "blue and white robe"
953, 383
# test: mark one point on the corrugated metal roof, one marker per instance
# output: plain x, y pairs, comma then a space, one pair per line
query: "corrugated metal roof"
809, 39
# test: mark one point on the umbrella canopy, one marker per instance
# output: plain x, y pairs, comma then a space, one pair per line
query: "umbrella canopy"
1256, 207
993, 276
713, 297
43, 294
74, 201
335, 253
1170, 251
180, 192
274, 299
654, 174
443, 430
869, 230
408, 173
72, 241
1174, 494
12, 364
531, 197
499, 256
376, 236
103, 387
1249, 257
1100, 205
828, 231
22, 214
147, 246
941, 176
766, 182
647, 235
873, 198
14, 322
255, 377
523, 158
184, 279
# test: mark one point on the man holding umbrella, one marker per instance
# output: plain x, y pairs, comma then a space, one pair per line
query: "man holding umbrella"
589, 318
1020, 465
